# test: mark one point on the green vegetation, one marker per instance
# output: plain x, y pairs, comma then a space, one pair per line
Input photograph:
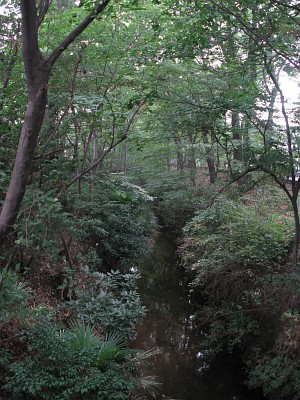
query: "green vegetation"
76, 346
65, 357
237, 256
72, 363
116, 118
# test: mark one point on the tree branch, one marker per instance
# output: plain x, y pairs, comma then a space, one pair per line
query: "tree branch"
66, 110
50, 154
93, 165
43, 8
77, 31
249, 30
287, 127
106, 151
31, 51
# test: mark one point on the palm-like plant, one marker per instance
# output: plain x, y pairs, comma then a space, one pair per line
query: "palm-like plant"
145, 385
85, 340
112, 348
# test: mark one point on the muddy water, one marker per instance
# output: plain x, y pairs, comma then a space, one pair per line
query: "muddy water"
180, 365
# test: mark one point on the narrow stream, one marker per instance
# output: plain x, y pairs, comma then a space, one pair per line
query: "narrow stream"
180, 364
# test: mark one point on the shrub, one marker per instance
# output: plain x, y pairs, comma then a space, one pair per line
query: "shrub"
71, 364
14, 296
116, 223
41, 221
110, 302
237, 254
174, 199
277, 370
229, 238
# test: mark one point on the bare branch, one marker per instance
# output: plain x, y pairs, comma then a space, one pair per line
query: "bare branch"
51, 153
93, 165
248, 170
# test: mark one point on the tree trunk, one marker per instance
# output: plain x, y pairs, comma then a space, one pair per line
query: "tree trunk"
180, 158
191, 163
297, 231
236, 136
210, 160
34, 117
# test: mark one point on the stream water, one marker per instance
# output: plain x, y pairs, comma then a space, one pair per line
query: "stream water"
180, 365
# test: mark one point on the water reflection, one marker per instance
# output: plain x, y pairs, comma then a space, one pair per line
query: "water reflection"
180, 364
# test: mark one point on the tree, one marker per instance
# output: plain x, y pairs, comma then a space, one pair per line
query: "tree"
247, 43
37, 70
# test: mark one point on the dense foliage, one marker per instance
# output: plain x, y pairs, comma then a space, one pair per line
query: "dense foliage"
236, 255
77, 348
73, 363
65, 357
121, 109
116, 222
110, 302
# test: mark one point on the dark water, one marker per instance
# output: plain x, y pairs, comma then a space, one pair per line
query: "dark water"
180, 364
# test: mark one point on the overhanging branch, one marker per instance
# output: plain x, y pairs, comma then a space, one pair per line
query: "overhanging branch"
77, 31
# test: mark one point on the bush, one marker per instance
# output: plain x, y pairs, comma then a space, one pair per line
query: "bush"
229, 238
41, 221
14, 296
116, 223
110, 302
237, 255
278, 375
277, 370
174, 199
71, 364
78, 361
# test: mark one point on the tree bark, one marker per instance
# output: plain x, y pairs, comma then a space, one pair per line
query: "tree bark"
191, 162
236, 136
180, 157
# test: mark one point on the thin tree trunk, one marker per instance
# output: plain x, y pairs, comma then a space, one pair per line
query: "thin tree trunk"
210, 160
297, 232
23, 162
192, 160
236, 136
180, 158
37, 73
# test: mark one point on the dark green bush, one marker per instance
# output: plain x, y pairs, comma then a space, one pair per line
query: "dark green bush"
41, 221
228, 237
174, 199
71, 364
14, 295
277, 370
237, 255
115, 225
110, 302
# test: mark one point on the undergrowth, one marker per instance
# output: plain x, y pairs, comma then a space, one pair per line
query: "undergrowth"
237, 255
